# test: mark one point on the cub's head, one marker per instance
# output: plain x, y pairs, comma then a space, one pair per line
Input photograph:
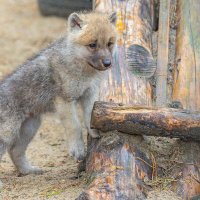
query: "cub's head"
92, 37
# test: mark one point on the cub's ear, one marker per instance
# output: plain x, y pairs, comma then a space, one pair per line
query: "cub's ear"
113, 18
74, 22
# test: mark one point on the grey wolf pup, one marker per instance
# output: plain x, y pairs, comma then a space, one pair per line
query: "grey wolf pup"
67, 72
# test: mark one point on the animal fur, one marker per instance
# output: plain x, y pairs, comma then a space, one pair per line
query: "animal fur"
69, 71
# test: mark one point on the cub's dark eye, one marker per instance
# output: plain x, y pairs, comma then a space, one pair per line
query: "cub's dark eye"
110, 44
93, 46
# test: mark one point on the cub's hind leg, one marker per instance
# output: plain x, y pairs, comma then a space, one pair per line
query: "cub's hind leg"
17, 151
3, 146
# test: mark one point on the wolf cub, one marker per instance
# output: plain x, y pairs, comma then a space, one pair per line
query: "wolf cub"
67, 72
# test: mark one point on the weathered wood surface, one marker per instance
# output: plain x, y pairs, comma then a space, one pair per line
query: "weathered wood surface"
186, 88
134, 33
162, 122
116, 170
187, 70
187, 185
163, 53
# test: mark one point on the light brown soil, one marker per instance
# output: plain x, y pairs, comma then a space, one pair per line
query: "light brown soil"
23, 32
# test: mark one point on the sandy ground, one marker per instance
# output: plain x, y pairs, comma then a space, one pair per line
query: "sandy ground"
23, 32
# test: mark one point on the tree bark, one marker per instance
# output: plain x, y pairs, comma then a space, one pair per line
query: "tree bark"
116, 170
162, 122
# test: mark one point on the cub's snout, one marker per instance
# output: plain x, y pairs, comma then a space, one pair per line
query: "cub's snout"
101, 59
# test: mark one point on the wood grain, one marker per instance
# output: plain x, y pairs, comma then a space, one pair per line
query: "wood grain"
163, 53
186, 87
161, 122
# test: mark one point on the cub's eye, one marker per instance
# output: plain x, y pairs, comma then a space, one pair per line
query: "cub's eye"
93, 46
110, 44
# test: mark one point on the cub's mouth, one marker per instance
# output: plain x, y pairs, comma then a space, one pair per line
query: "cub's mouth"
100, 67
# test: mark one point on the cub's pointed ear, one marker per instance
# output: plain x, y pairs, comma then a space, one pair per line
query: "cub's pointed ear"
74, 22
113, 18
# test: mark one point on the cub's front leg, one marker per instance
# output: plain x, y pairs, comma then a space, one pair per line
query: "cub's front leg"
87, 102
69, 118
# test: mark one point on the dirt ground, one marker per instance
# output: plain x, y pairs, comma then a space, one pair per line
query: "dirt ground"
23, 32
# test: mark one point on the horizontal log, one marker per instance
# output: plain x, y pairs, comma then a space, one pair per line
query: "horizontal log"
162, 122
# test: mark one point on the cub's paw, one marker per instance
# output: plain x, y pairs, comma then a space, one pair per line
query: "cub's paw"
77, 150
30, 170
94, 133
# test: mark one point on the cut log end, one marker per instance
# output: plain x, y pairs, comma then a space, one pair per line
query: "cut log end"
140, 61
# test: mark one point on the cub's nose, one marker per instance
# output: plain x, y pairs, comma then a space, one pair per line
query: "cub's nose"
106, 63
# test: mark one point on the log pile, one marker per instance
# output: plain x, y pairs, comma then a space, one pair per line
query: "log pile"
117, 165
186, 87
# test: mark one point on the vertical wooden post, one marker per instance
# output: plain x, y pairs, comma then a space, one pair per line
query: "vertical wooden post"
163, 52
187, 71
186, 88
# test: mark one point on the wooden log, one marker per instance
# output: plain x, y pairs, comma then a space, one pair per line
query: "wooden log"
116, 170
162, 122
163, 53
186, 89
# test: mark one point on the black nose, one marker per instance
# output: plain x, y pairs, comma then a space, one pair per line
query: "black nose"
106, 63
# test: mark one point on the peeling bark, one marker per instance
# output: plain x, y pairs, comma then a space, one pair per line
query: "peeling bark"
161, 122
